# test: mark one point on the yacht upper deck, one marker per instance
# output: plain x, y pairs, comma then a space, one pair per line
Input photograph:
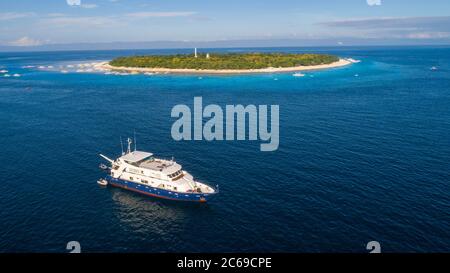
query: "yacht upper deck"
135, 156
147, 161
156, 164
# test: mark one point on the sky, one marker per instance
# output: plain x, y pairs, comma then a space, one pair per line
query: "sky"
31, 23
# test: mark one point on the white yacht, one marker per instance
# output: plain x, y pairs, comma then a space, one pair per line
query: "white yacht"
142, 172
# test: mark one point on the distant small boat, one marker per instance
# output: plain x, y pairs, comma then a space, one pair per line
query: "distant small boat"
433, 68
7, 75
64, 71
356, 75
102, 182
3, 71
298, 74
16, 75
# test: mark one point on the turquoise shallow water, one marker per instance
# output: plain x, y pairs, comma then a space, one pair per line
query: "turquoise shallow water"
360, 158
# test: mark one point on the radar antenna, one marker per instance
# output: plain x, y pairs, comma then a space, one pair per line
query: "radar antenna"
135, 140
129, 145
121, 145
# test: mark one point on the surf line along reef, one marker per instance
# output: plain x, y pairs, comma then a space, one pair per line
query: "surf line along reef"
224, 63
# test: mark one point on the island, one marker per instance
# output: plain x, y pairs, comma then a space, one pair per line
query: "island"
224, 63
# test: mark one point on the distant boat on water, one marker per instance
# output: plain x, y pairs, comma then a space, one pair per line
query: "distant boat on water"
298, 74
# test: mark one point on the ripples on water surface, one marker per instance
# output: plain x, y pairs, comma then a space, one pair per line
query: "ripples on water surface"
361, 158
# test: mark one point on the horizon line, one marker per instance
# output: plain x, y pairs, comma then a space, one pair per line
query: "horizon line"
41, 48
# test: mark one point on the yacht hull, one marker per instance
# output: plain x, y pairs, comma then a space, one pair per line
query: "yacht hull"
158, 192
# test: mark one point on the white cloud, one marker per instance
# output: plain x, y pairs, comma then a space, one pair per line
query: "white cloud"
77, 3
5, 16
55, 14
25, 41
150, 14
89, 6
429, 35
65, 21
374, 2
437, 27
437, 23
73, 2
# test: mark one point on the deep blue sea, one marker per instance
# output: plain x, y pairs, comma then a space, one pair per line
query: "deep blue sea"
361, 158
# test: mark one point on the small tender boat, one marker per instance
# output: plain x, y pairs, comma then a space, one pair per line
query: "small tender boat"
102, 182
103, 167
434, 68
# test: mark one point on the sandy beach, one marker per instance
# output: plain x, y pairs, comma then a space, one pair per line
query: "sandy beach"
107, 66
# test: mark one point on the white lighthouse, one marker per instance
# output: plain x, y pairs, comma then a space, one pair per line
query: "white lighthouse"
195, 52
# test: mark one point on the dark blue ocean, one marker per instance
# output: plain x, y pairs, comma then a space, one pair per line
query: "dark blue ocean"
361, 158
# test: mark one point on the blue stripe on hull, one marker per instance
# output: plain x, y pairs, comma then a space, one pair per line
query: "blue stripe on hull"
157, 192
